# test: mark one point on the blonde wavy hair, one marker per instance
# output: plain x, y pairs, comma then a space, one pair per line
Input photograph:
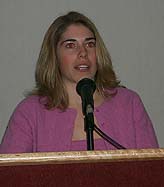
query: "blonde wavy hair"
48, 77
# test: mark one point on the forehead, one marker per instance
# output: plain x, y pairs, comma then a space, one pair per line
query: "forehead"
77, 31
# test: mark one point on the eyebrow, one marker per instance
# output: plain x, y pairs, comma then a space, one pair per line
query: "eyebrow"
74, 40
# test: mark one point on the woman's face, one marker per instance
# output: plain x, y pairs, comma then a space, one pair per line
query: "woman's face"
76, 53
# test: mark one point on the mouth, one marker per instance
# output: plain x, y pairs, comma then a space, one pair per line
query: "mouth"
82, 67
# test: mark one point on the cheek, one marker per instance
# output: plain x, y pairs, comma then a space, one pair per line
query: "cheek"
95, 61
62, 60
92, 56
65, 62
65, 58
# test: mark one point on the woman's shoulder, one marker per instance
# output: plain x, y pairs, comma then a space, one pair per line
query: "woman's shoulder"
122, 94
31, 102
126, 92
122, 98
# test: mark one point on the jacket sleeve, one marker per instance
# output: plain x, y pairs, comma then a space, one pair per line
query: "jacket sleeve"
145, 134
18, 137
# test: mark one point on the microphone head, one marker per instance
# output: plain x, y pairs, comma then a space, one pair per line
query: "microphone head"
85, 88
85, 85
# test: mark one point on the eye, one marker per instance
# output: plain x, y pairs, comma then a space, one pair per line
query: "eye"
70, 45
91, 44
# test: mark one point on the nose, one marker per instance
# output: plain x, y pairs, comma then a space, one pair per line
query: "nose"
82, 51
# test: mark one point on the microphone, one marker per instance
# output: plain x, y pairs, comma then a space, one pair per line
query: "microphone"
85, 88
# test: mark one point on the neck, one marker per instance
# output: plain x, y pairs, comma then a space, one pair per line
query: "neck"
75, 99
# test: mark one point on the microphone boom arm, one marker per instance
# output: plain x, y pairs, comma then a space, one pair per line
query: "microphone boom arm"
85, 88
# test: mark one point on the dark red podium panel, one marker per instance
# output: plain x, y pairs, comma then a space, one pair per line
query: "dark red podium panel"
85, 173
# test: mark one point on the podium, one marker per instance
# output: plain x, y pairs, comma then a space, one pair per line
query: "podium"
115, 168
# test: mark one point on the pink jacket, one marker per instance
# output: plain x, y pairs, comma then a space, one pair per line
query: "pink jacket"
32, 128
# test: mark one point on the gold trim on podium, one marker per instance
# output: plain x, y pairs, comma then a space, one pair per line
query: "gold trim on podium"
80, 157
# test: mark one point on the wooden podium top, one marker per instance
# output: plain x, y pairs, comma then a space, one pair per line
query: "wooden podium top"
81, 157
123, 168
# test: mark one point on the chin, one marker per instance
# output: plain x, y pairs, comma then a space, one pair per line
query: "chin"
86, 76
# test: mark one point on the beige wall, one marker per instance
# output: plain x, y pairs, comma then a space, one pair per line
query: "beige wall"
132, 30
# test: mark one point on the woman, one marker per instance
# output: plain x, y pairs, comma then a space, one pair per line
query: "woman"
51, 118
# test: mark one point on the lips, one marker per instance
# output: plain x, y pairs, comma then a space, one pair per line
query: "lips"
82, 67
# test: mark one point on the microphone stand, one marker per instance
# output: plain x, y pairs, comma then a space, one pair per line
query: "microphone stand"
85, 88
89, 127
